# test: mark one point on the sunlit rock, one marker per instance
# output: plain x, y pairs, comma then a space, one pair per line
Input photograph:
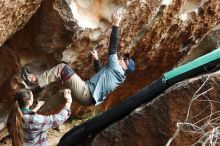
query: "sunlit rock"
158, 34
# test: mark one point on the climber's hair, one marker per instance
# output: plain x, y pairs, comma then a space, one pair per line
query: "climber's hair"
15, 119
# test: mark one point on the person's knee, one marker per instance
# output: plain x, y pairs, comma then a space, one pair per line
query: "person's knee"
62, 65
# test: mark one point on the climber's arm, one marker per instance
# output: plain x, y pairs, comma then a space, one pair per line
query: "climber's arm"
113, 44
97, 63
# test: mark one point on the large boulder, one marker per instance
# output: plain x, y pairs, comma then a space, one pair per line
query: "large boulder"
157, 34
185, 114
14, 15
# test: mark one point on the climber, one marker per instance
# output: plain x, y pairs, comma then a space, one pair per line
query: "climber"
28, 128
99, 85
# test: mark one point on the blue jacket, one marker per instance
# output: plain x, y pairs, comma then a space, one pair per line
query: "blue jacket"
110, 76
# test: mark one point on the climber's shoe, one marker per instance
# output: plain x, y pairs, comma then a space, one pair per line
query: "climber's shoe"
26, 76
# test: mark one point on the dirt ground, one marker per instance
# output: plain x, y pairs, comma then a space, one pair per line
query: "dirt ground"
53, 135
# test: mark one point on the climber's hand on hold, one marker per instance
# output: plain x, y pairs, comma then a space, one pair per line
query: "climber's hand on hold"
116, 17
94, 54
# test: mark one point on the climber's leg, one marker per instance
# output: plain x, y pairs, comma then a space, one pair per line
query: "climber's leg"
60, 71
79, 89
50, 75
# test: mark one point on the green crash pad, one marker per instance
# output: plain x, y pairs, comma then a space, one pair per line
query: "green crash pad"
214, 55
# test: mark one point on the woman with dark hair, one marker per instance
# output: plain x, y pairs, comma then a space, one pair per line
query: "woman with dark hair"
28, 128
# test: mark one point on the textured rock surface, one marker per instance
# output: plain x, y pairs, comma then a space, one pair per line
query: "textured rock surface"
166, 38
14, 15
158, 36
153, 124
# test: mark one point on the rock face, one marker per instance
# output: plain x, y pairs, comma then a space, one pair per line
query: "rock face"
158, 34
165, 39
14, 15
155, 123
